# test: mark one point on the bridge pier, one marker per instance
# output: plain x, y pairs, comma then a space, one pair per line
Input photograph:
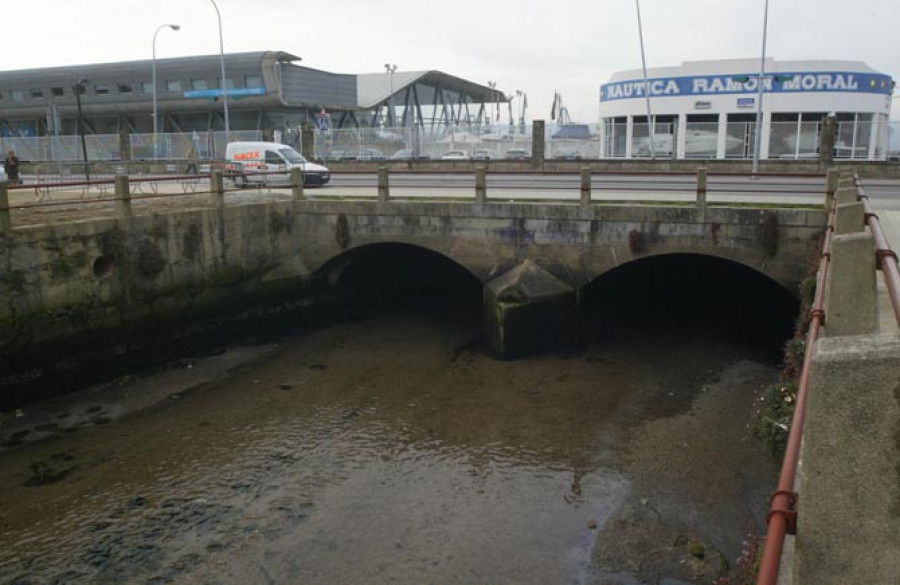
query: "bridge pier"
527, 310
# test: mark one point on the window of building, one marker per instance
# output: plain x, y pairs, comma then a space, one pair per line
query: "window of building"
123, 87
172, 85
17, 95
616, 132
228, 80
101, 89
253, 81
146, 87
37, 94
199, 84
57, 92
701, 135
663, 136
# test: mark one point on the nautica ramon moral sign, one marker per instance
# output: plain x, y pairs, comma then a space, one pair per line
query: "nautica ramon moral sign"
727, 84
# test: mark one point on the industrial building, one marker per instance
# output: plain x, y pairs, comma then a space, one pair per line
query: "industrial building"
266, 91
708, 109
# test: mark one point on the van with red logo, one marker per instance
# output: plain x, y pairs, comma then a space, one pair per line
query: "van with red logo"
263, 162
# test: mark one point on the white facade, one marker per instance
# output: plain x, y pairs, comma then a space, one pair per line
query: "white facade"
708, 109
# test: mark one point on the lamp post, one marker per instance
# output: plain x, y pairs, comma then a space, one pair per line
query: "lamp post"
174, 27
78, 88
650, 124
493, 86
222, 62
390, 70
759, 99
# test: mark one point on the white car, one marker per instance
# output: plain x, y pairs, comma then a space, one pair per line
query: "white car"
455, 155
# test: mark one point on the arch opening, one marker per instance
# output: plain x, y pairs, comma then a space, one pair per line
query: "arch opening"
690, 298
382, 278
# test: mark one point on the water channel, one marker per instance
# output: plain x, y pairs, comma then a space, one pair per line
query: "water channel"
391, 447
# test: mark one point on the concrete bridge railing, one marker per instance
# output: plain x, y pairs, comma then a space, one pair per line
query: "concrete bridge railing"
848, 483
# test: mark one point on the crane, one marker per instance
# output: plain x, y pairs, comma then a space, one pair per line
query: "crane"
559, 110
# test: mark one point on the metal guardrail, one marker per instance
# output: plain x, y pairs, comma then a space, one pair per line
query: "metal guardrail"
782, 516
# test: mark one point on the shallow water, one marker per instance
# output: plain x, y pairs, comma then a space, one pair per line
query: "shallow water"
394, 450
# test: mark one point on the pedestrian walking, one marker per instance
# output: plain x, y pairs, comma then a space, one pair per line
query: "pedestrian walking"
11, 163
192, 162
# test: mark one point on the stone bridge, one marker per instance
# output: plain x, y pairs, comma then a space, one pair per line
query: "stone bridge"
60, 281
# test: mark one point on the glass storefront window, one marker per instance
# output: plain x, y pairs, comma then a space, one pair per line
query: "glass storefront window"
663, 137
701, 136
740, 136
616, 133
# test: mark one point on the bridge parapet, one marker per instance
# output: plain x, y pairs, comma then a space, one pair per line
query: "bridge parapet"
848, 523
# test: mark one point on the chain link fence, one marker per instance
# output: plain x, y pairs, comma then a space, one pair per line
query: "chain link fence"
424, 143
788, 140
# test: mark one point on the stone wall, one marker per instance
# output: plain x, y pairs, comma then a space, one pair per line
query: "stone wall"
72, 282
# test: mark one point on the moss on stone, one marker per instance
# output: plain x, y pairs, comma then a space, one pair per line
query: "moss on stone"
191, 241
150, 259
14, 279
62, 267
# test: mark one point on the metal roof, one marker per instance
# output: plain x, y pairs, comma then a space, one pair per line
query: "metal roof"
374, 88
68, 75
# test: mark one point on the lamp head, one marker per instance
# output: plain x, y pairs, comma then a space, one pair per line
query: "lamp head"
175, 26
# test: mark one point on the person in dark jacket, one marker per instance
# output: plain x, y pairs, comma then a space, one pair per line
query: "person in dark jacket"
12, 167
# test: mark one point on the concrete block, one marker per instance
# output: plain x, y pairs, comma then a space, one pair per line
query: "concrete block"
849, 218
832, 178
297, 184
846, 195
849, 506
852, 301
585, 185
123, 196
528, 310
480, 183
701, 187
5, 220
217, 189
384, 188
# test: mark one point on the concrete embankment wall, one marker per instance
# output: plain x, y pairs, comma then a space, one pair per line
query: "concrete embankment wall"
65, 278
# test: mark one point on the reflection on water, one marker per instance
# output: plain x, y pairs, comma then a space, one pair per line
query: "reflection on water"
384, 451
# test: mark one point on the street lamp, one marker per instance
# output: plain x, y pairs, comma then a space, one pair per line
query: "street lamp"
78, 88
174, 27
650, 124
493, 86
759, 99
390, 70
222, 62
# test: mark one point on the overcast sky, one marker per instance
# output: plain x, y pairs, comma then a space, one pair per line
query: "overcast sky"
531, 45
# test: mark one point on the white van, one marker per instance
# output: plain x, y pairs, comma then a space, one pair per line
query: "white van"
244, 159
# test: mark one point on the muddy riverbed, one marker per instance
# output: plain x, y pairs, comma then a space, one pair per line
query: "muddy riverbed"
394, 449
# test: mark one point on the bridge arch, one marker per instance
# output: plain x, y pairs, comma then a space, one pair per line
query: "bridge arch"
689, 290
392, 271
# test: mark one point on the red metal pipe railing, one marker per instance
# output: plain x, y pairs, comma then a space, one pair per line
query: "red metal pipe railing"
782, 517
885, 258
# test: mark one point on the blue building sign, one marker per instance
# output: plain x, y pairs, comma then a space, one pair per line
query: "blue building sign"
706, 85
237, 92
